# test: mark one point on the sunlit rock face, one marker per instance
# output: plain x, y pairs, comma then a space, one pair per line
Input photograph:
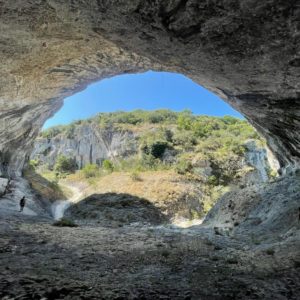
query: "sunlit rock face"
86, 144
246, 51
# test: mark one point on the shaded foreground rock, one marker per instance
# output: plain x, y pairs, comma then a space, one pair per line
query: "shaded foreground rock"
267, 212
38, 260
41, 261
112, 209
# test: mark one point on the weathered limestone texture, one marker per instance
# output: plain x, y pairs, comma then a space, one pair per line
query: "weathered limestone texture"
246, 51
87, 144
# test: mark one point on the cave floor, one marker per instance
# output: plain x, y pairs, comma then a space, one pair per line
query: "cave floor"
40, 261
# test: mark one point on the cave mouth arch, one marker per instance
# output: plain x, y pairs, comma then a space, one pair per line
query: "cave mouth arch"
247, 52
254, 68
98, 143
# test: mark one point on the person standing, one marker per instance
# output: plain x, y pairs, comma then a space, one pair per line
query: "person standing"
22, 203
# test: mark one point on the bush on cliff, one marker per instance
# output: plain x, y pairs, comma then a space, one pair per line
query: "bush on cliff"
65, 164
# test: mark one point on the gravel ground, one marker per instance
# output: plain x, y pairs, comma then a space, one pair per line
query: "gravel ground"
40, 261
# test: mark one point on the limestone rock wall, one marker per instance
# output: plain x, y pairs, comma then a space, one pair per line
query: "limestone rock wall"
246, 51
88, 144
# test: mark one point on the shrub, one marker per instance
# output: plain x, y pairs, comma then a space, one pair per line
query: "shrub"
156, 149
33, 164
194, 214
65, 223
107, 165
185, 139
90, 170
184, 166
148, 161
70, 130
52, 132
229, 120
185, 120
213, 180
135, 176
65, 164
239, 150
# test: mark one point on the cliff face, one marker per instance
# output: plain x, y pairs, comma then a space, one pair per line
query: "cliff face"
247, 52
86, 145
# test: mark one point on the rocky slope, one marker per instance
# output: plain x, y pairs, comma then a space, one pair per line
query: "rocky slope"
87, 144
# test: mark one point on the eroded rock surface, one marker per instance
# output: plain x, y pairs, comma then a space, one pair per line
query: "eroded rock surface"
268, 211
247, 52
86, 144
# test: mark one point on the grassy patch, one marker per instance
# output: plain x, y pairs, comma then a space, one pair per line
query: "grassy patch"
135, 176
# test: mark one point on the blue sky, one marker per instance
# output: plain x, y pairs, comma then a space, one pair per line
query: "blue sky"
149, 91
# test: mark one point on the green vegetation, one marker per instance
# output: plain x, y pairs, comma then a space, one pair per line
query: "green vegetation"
204, 149
135, 176
65, 164
45, 184
90, 170
33, 164
107, 165
174, 141
183, 166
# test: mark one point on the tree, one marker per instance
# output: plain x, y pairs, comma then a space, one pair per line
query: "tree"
90, 170
185, 119
65, 164
108, 165
156, 149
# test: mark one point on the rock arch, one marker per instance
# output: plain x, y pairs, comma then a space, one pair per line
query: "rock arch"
246, 51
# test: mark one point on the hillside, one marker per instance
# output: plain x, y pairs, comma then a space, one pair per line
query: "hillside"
180, 162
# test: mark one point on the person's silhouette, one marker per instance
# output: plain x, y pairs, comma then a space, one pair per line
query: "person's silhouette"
22, 203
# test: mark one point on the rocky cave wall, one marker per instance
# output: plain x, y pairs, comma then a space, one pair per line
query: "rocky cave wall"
245, 51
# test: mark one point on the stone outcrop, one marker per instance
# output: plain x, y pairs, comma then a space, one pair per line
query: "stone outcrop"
261, 160
247, 52
3, 186
87, 145
251, 212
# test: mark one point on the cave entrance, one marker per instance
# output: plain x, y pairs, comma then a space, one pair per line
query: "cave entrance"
157, 136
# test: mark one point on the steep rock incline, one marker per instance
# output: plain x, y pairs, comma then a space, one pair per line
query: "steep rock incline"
253, 211
245, 51
87, 145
